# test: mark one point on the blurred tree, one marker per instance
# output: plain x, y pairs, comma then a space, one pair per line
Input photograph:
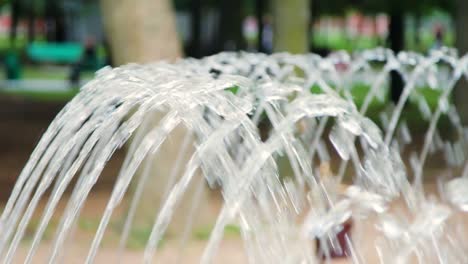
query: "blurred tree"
31, 14
230, 29
141, 30
397, 40
55, 20
397, 9
145, 31
15, 12
461, 90
195, 19
31, 10
290, 25
259, 13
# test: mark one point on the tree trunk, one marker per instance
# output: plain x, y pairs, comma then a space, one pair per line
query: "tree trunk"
461, 89
195, 19
60, 28
14, 21
290, 25
140, 30
417, 29
145, 31
230, 30
259, 7
396, 36
313, 16
31, 22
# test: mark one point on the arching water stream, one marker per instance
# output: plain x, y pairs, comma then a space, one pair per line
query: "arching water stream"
287, 185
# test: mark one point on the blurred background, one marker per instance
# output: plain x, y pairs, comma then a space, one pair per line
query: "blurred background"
50, 48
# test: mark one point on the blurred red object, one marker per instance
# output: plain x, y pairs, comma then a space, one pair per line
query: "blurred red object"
342, 241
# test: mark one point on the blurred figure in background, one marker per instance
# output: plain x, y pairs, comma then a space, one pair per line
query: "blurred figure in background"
439, 37
267, 38
88, 61
250, 31
12, 65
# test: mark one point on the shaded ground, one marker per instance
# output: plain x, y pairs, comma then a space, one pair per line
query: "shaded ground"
22, 122
21, 125
231, 252
171, 250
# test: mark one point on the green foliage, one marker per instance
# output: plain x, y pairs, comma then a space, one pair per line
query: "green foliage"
233, 89
232, 230
411, 113
315, 89
204, 233
139, 237
430, 95
32, 228
88, 225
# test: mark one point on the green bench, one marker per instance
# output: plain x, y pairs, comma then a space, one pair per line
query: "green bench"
67, 53
60, 53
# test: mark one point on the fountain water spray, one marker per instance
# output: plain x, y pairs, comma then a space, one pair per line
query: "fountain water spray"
288, 186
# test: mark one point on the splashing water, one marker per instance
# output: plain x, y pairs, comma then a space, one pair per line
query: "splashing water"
286, 185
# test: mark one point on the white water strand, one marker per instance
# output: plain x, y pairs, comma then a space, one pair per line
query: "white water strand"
268, 187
